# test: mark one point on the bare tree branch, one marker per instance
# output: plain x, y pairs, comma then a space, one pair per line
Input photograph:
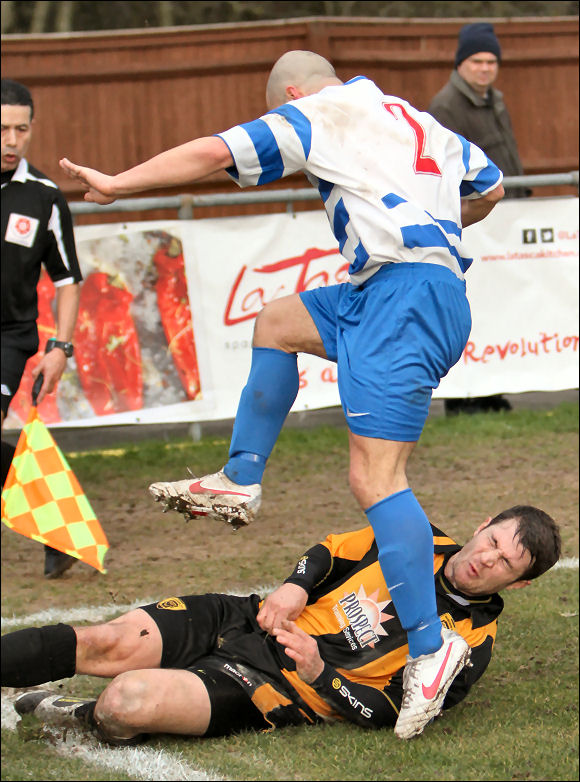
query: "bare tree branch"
40, 16
7, 15
36, 16
64, 16
165, 13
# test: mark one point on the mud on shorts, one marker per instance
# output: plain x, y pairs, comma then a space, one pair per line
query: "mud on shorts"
19, 342
191, 628
393, 338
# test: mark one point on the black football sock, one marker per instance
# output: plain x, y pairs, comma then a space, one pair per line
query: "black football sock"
38, 655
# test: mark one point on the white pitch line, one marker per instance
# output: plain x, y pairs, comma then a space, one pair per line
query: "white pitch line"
152, 764
91, 614
94, 614
568, 563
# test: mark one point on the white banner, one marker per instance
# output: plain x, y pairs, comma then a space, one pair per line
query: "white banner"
523, 290
168, 308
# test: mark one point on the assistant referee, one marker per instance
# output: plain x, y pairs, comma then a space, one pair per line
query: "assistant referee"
36, 231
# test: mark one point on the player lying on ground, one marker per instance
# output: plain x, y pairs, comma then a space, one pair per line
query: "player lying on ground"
326, 645
398, 189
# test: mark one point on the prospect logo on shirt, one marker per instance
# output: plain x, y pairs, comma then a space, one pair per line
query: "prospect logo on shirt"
21, 229
365, 615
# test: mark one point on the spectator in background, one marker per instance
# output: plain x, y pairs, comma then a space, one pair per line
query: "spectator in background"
470, 106
36, 230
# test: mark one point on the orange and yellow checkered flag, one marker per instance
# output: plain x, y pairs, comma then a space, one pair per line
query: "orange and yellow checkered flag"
43, 500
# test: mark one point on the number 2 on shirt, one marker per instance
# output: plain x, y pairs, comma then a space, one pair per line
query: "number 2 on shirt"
422, 164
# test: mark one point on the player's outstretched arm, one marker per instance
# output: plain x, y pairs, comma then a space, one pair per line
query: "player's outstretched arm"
178, 166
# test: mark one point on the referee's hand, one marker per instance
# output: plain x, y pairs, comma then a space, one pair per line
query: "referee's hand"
51, 366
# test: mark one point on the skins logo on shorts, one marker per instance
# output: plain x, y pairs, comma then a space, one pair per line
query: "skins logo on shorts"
172, 604
447, 621
337, 684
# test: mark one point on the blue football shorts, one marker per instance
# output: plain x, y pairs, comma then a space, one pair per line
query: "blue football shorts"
393, 338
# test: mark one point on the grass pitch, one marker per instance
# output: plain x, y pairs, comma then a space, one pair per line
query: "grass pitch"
520, 722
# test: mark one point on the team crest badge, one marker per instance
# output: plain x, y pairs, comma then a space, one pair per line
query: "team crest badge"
21, 229
172, 604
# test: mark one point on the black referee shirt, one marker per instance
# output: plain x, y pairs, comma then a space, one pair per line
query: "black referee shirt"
36, 230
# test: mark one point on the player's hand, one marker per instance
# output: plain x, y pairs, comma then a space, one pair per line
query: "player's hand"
286, 602
302, 648
99, 186
52, 366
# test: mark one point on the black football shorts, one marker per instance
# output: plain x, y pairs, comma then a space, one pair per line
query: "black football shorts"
191, 627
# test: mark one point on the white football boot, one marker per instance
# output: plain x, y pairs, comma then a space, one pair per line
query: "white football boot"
62, 711
426, 680
214, 496
54, 709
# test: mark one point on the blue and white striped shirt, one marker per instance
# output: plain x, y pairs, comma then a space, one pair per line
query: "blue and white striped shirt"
391, 177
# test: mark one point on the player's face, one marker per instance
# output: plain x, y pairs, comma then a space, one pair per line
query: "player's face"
16, 135
491, 561
479, 71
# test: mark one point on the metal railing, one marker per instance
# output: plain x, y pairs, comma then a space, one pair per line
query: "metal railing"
185, 204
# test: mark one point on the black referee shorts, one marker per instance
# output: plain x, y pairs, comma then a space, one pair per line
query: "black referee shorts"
191, 629
19, 342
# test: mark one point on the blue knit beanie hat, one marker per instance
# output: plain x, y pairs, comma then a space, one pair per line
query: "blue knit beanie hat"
475, 38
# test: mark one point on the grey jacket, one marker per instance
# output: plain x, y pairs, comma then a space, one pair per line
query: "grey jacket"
484, 121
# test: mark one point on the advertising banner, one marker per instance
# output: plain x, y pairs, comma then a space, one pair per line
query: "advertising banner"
168, 308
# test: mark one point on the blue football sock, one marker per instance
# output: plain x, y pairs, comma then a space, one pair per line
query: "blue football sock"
265, 402
405, 542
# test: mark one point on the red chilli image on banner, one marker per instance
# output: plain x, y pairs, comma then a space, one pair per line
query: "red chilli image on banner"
107, 347
128, 321
20, 405
173, 303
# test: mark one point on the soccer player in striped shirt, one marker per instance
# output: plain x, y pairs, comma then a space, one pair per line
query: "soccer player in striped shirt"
398, 189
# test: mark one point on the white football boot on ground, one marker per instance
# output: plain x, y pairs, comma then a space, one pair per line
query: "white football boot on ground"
54, 709
62, 711
214, 496
426, 680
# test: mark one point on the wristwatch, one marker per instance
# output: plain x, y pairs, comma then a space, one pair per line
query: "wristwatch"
67, 347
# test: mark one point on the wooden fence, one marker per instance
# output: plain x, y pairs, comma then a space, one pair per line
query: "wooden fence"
111, 100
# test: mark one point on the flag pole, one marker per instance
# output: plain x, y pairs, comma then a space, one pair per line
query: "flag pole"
36, 389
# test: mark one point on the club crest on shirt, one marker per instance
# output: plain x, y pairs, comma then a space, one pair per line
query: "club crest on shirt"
21, 229
172, 604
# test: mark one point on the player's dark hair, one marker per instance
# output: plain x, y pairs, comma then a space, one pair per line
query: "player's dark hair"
16, 94
538, 533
